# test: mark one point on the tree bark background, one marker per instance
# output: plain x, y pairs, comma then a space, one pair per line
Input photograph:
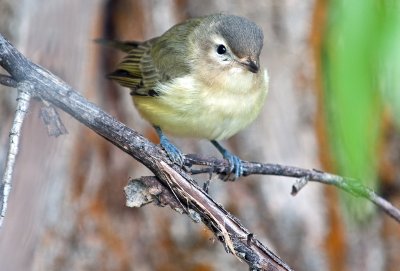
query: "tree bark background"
67, 211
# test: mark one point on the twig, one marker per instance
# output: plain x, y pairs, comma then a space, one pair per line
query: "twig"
52, 120
352, 186
226, 227
7, 81
298, 185
15, 134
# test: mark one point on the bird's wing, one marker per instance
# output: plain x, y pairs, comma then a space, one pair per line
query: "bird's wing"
160, 59
137, 71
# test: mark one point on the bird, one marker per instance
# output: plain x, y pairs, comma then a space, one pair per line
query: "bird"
201, 79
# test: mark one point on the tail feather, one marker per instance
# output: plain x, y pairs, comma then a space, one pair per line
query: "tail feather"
124, 46
130, 73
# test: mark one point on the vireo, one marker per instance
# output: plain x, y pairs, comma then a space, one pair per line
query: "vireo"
201, 78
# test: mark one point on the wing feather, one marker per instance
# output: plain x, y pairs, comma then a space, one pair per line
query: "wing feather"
137, 71
157, 60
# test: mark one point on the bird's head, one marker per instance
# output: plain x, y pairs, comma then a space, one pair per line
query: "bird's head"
229, 42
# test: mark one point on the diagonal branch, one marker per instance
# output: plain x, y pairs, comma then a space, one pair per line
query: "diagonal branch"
228, 229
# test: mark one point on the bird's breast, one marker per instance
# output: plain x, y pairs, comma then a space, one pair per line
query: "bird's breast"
211, 108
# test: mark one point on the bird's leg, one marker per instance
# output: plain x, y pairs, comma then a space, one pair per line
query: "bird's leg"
234, 161
172, 151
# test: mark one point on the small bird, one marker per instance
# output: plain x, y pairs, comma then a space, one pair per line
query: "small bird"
201, 79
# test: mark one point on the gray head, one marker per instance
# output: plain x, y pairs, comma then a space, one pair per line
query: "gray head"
233, 40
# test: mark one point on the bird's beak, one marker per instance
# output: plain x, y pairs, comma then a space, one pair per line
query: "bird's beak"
251, 64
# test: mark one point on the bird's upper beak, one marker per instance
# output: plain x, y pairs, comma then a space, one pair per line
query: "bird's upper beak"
253, 65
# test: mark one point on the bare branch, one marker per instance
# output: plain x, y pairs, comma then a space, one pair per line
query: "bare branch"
15, 134
148, 189
298, 185
7, 81
352, 186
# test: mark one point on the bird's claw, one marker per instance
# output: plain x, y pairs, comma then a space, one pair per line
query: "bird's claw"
236, 165
174, 154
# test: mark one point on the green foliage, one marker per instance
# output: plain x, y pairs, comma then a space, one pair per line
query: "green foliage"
390, 61
361, 61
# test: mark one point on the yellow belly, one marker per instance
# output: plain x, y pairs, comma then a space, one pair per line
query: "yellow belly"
188, 108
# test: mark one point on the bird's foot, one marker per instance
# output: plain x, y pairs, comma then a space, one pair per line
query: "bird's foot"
236, 167
172, 151
174, 154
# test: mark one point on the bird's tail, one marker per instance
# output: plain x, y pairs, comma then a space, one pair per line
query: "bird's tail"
129, 71
124, 46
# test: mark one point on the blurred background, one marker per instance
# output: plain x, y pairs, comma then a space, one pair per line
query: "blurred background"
334, 104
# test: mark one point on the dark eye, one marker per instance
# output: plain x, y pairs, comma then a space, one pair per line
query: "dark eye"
221, 49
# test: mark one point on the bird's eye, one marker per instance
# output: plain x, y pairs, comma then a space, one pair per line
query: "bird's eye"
221, 49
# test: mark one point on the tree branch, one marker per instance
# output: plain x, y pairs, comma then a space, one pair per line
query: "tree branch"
228, 229
352, 186
7, 81
15, 134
